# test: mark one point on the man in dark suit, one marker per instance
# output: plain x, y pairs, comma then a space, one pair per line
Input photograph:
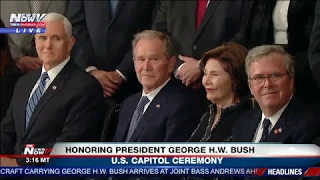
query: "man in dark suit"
22, 46
282, 117
314, 47
199, 26
58, 103
104, 31
165, 110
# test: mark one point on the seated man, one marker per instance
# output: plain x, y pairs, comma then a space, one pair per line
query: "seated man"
22, 46
282, 117
59, 102
164, 111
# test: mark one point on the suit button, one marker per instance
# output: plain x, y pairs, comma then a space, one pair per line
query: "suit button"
194, 47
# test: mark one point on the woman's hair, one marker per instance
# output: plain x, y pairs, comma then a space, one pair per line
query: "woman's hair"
5, 55
231, 56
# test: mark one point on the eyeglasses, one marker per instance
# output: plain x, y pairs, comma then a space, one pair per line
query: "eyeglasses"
274, 78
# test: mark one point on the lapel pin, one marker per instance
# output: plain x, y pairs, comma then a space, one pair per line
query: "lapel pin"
276, 131
158, 105
54, 87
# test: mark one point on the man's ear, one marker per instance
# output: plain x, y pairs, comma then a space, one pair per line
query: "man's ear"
71, 43
172, 62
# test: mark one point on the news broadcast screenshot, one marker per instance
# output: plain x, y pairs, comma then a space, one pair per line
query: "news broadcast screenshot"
160, 90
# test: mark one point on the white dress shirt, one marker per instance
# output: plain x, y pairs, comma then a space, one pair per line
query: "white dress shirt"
273, 119
280, 22
153, 94
52, 73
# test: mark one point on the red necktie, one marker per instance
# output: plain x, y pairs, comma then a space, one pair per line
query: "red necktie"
201, 9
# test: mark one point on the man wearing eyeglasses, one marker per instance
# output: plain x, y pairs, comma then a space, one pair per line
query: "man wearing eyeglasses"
282, 117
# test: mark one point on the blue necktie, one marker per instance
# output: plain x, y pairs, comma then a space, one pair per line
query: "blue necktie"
266, 125
33, 101
137, 116
113, 4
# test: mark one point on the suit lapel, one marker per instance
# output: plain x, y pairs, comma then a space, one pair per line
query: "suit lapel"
152, 110
251, 126
58, 83
282, 124
268, 7
126, 123
45, 6
209, 11
25, 98
191, 10
24, 7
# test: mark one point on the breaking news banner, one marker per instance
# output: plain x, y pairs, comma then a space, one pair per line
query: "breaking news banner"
25, 23
164, 159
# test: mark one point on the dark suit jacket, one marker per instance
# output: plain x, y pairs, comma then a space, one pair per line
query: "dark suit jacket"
71, 112
222, 132
171, 116
299, 125
314, 47
8, 80
300, 21
223, 21
104, 41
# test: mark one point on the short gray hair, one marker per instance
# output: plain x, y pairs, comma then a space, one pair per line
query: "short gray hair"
59, 17
265, 50
152, 34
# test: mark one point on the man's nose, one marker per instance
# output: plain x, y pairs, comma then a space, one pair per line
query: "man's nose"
147, 64
48, 43
267, 82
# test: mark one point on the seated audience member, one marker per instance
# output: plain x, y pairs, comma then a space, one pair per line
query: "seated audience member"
9, 73
104, 31
22, 46
227, 89
165, 110
282, 116
59, 102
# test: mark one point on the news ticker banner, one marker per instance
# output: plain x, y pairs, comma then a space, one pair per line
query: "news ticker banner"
182, 158
158, 171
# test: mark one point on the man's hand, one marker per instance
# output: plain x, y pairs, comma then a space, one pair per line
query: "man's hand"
109, 80
28, 63
4, 161
189, 72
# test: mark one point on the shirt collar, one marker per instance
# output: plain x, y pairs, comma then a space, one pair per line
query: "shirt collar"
153, 93
52, 73
274, 118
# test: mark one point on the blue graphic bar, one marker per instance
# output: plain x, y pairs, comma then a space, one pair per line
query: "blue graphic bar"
22, 30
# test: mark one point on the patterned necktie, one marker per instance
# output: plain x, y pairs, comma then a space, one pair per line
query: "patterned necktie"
35, 6
33, 101
137, 116
266, 125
